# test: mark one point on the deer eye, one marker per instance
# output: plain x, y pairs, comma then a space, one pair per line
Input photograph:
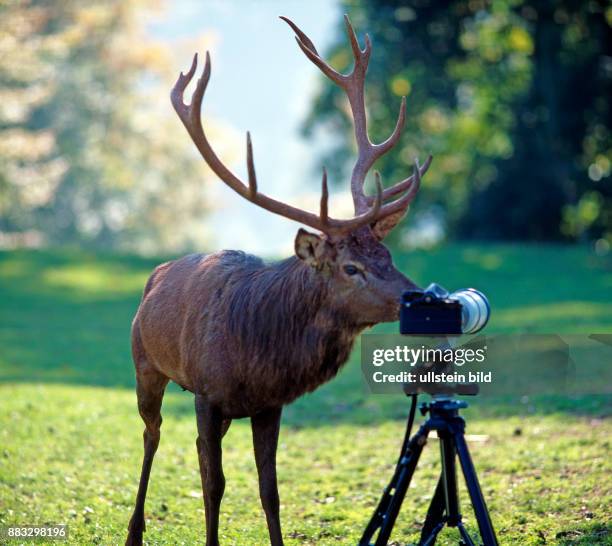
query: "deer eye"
350, 269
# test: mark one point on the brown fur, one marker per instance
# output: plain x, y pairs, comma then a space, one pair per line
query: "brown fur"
230, 339
248, 337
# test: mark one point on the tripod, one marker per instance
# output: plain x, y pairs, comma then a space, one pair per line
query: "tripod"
444, 508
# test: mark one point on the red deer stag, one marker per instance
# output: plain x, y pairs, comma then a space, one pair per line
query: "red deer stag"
248, 337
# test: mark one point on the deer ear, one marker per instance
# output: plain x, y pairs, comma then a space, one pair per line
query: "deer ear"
383, 227
308, 247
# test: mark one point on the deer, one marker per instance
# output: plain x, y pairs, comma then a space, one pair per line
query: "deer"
248, 337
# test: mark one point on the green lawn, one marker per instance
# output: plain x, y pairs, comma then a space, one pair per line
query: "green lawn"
70, 434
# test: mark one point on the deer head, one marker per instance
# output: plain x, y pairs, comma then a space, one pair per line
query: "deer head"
347, 254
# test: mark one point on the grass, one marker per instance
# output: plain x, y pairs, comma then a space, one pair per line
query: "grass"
70, 435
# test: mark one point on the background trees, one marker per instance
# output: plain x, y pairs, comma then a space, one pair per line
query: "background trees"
512, 97
84, 157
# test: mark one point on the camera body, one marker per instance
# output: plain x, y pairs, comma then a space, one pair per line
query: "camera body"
435, 311
423, 313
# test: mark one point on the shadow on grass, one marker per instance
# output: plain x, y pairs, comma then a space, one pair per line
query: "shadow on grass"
65, 316
586, 535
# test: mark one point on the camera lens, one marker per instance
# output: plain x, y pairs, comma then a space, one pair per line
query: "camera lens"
475, 309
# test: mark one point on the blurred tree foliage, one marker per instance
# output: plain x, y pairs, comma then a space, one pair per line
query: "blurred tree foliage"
83, 156
511, 98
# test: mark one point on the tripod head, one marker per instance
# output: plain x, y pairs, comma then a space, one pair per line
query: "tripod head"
441, 405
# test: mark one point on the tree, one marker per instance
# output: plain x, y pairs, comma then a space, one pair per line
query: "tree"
83, 158
492, 93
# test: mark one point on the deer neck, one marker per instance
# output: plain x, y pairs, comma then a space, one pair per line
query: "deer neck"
322, 337
286, 323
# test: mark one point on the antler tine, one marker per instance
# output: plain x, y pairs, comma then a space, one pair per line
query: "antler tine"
323, 210
305, 39
251, 168
401, 204
196, 99
376, 212
176, 96
397, 131
404, 185
362, 56
323, 66
190, 115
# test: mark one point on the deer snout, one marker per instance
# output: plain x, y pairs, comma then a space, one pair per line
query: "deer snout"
393, 290
402, 284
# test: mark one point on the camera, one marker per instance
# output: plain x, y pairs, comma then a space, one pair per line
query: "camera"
436, 311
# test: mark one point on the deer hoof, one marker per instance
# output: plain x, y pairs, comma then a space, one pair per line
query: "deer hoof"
134, 539
135, 530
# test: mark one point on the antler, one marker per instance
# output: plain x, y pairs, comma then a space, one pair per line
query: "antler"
368, 210
353, 85
191, 118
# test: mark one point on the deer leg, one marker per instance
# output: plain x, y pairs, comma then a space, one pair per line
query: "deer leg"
265, 428
211, 428
150, 386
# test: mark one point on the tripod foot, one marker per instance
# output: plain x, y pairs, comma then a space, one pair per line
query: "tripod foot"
467, 539
433, 535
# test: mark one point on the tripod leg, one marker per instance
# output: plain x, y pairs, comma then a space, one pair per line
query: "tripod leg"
388, 508
435, 514
446, 497
449, 479
471, 480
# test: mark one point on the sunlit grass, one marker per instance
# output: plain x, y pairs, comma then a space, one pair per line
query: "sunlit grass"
71, 441
92, 278
72, 455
